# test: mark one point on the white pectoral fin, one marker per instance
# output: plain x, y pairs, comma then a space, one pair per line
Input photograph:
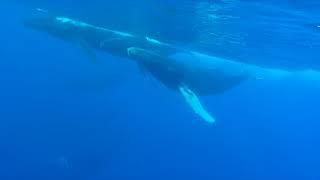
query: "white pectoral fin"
195, 104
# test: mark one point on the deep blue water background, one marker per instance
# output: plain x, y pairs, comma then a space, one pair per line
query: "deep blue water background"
64, 117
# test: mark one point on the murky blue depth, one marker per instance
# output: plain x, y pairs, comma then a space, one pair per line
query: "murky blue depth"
64, 117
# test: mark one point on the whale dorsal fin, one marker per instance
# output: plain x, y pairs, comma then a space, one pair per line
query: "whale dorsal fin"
194, 102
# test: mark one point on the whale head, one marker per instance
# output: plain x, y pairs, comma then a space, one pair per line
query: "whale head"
58, 26
39, 19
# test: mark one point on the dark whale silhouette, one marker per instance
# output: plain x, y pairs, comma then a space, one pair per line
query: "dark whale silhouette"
190, 73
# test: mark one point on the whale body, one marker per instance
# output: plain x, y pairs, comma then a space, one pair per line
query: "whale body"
190, 73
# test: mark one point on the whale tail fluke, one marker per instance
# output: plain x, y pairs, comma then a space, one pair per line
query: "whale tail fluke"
195, 104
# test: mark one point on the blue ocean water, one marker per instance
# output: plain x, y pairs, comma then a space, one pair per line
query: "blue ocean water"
64, 117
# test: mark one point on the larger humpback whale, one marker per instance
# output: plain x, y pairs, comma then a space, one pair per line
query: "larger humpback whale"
190, 73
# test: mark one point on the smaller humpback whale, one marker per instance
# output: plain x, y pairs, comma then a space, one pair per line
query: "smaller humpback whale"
193, 74
190, 73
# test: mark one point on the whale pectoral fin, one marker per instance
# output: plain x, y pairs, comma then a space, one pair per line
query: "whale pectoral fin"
195, 103
88, 50
142, 69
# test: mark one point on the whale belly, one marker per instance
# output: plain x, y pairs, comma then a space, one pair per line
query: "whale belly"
208, 75
213, 82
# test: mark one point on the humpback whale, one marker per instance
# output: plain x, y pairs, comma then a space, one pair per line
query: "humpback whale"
190, 73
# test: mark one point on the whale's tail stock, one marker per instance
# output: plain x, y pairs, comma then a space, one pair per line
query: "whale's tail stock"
308, 74
304, 75
260, 73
